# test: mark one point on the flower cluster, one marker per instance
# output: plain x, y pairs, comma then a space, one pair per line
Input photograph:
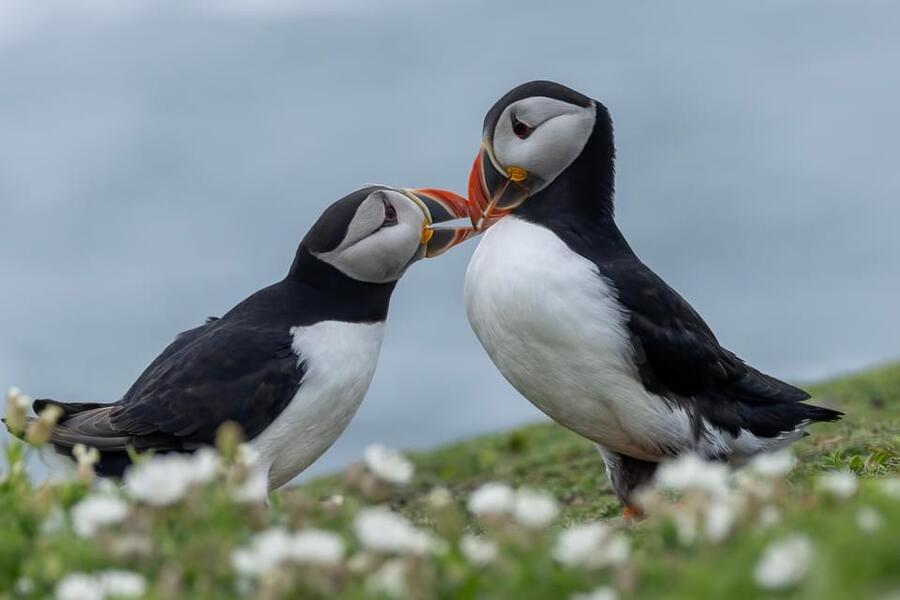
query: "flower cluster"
784, 563
276, 547
165, 479
592, 546
713, 500
99, 586
96, 511
388, 465
531, 508
382, 530
199, 525
381, 473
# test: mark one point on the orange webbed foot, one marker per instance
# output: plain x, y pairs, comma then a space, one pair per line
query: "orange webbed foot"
632, 514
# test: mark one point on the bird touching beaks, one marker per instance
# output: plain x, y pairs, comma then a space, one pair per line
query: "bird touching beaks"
579, 325
292, 362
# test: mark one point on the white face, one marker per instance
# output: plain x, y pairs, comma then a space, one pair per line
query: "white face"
542, 135
383, 238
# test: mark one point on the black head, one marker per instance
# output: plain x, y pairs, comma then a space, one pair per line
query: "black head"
543, 139
373, 234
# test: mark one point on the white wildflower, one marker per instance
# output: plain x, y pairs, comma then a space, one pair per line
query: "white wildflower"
690, 472
316, 547
85, 459
15, 397
891, 487
79, 586
868, 519
784, 564
107, 487
247, 455
773, 464
534, 509
17, 405
272, 546
85, 456
479, 551
161, 480
155, 484
492, 499
254, 489
389, 580
840, 484
381, 530
122, 584
244, 562
114, 582
769, 516
361, 562
617, 551
601, 593
203, 465
685, 526
96, 511
578, 544
388, 465
592, 545
24, 586
39, 431
440, 498
267, 550
719, 518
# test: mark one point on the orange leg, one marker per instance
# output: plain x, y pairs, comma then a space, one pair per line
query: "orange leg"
631, 513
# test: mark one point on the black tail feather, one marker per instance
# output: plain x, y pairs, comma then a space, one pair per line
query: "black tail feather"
69, 408
818, 414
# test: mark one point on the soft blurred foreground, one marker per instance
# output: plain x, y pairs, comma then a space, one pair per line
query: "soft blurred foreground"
526, 514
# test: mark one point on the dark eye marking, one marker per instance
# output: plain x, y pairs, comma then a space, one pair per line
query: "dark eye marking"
390, 215
521, 129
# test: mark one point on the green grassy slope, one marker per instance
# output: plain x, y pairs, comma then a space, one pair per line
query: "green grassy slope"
548, 456
205, 541
847, 561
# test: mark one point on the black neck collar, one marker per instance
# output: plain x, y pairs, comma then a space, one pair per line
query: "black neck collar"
336, 295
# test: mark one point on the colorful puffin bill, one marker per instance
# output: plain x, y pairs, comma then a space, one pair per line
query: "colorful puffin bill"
291, 363
580, 326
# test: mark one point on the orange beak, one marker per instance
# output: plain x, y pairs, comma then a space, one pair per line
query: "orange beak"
492, 193
440, 206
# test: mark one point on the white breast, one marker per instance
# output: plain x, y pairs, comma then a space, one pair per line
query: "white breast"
555, 330
339, 360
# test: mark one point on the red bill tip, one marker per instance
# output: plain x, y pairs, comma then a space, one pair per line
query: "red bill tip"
478, 199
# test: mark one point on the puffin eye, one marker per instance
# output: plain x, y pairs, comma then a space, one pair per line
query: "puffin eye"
519, 128
390, 215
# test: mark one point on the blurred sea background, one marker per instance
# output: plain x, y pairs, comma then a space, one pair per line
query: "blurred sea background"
161, 160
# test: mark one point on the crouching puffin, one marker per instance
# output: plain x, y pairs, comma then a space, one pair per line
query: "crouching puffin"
291, 363
580, 326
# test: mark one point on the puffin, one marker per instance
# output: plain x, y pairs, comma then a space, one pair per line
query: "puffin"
580, 326
291, 363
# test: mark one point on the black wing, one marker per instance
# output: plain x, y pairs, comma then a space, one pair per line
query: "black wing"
676, 350
679, 357
218, 372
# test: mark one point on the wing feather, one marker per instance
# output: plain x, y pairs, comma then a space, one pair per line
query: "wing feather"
208, 375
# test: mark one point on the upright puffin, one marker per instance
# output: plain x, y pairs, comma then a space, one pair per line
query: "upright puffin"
292, 362
580, 326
